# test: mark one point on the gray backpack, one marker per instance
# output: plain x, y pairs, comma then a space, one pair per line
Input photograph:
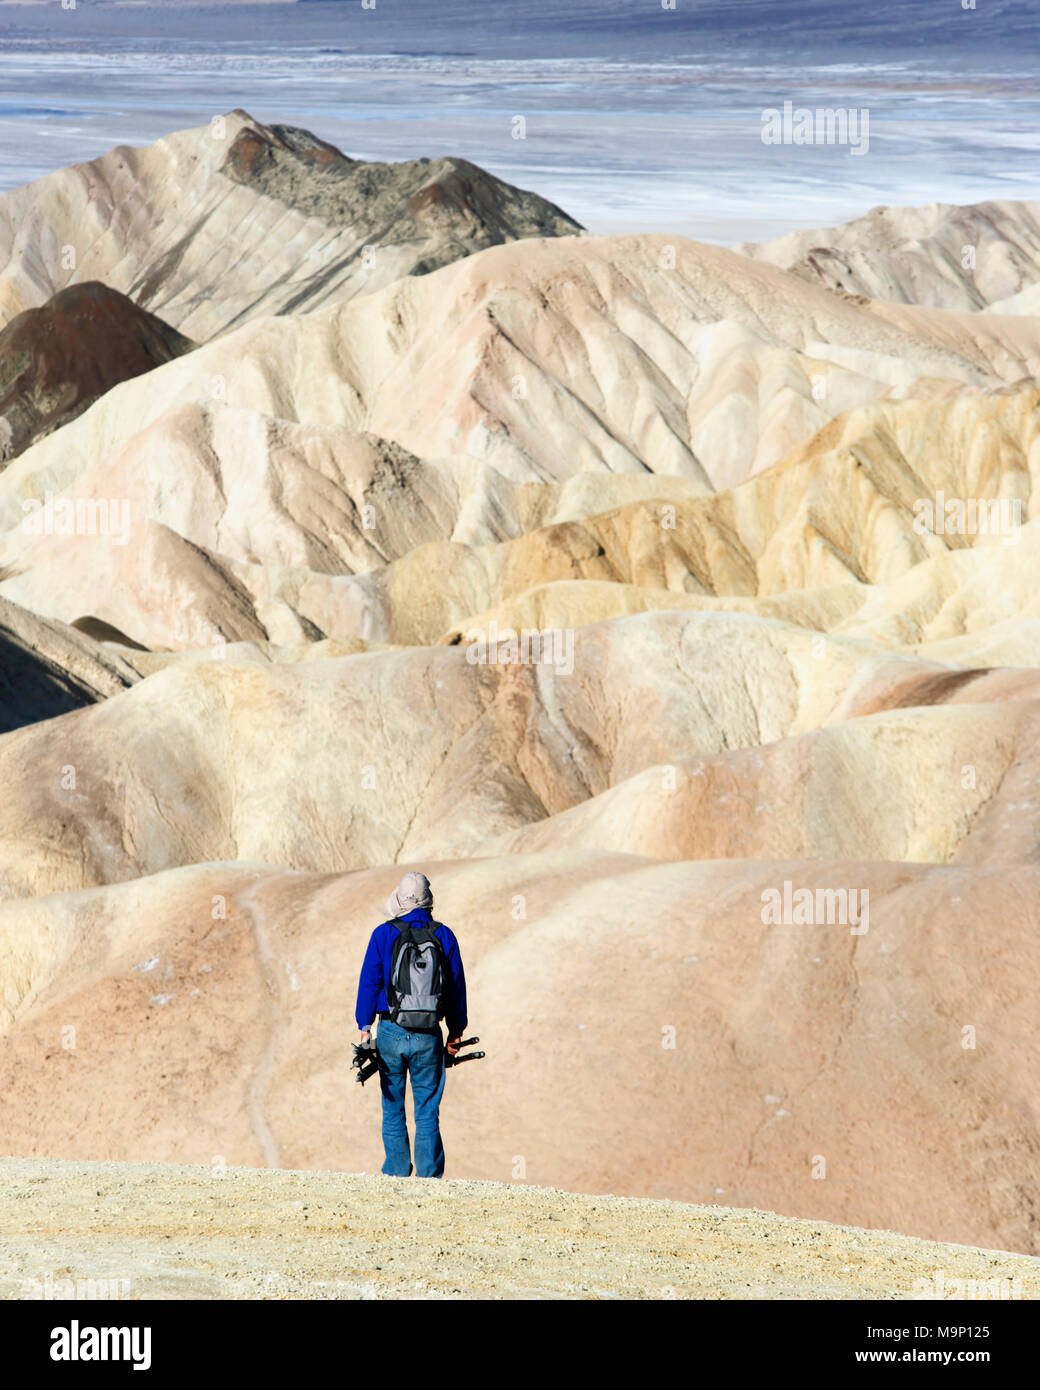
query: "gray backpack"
417, 989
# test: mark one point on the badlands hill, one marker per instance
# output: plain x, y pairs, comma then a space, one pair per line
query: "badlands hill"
250, 587
211, 227
217, 1232
389, 468
58, 360
941, 256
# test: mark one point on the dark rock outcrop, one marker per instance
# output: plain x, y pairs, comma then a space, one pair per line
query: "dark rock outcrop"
392, 204
48, 668
57, 360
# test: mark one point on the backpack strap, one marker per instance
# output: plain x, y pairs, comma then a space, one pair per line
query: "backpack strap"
402, 925
428, 930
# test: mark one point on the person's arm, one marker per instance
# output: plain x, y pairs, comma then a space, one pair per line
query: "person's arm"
370, 983
456, 1017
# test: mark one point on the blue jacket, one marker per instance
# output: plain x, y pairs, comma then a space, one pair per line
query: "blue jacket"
375, 971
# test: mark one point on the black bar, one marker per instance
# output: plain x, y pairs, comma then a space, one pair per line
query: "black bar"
186, 1337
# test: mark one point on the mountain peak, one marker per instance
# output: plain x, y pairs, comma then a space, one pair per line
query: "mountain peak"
211, 227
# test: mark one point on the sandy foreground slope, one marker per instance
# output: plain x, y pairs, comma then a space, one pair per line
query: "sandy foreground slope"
194, 1232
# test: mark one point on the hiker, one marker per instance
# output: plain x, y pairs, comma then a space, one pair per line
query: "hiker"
412, 977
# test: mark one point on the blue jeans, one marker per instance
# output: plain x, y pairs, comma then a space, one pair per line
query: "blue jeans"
420, 1055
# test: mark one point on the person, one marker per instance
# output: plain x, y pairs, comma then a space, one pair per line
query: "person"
408, 1052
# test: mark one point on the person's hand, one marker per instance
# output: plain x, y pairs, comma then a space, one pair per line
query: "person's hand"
453, 1045
366, 1035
